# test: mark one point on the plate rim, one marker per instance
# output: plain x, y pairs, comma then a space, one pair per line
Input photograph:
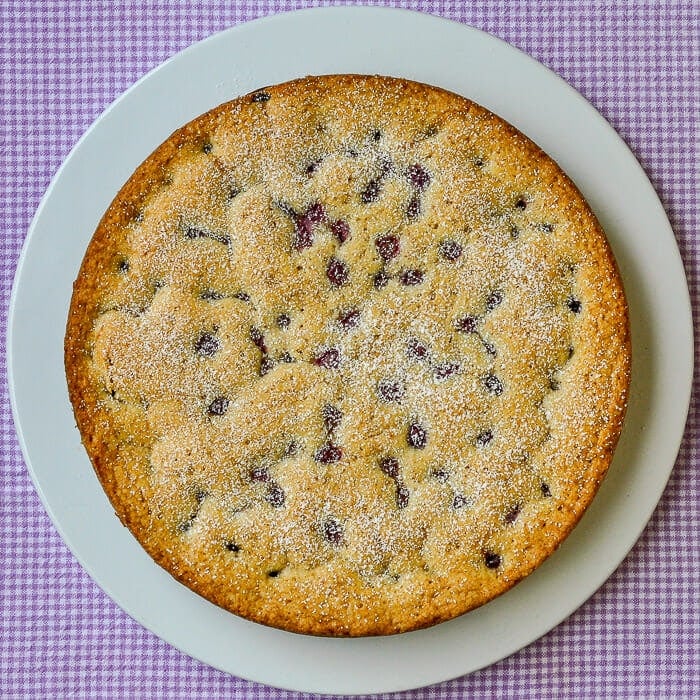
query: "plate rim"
232, 33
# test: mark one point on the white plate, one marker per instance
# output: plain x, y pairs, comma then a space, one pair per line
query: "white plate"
359, 40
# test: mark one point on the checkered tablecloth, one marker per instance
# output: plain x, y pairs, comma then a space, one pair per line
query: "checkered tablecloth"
63, 62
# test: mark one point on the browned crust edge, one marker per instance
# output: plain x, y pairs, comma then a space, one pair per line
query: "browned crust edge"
85, 402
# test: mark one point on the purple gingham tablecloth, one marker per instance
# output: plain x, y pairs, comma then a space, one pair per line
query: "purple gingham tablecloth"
62, 63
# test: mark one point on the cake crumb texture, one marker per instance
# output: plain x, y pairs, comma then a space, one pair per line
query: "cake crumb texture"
350, 355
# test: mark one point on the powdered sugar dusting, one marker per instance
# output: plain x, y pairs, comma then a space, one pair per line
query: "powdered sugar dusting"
228, 338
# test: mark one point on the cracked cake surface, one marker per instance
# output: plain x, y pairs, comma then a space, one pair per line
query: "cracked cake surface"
350, 355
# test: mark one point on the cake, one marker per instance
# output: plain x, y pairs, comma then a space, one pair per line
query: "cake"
349, 355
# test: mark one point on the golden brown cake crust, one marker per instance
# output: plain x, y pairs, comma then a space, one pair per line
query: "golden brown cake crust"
350, 355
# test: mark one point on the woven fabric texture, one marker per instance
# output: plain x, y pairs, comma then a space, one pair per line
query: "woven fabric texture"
63, 62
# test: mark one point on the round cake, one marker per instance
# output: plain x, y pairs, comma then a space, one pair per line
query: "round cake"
349, 355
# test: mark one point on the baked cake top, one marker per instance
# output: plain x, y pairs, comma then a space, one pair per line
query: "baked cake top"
350, 355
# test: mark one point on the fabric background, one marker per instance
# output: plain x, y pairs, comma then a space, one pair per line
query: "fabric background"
62, 63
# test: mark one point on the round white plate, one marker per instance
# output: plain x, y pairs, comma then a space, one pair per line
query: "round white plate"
357, 40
